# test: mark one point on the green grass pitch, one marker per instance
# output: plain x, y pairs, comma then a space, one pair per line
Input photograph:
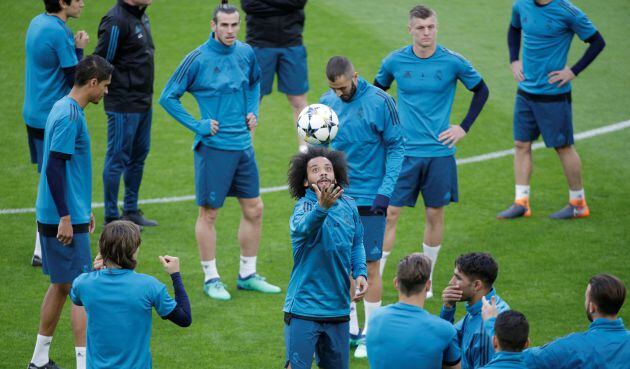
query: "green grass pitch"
544, 264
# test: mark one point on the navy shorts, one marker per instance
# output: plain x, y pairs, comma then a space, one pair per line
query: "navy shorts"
435, 178
330, 342
36, 146
222, 173
63, 263
290, 65
373, 233
550, 116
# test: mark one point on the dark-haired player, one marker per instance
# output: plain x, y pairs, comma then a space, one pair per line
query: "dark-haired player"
224, 77
511, 337
327, 242
606, 343
543, 99
472, 282
406, 336
64, 204
52, 53
426, 75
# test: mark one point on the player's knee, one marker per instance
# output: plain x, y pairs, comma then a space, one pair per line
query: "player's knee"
254, 211
208, 215
374, 270
564, 149
297, 101
393, 212
62, 288
522, 146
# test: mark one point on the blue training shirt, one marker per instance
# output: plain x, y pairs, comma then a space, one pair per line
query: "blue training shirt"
327, 247
370, 136
506, 360
225, 81
119, 304
67, 133
475, 335
404, 336
606, 344
426, 90
547, 33
49, 48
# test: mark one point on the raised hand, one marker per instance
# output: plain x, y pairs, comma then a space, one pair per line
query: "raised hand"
170, 263
328, 196
81, 39
489, 309
451, 295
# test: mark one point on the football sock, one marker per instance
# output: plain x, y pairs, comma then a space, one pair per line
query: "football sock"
432, 252
521, 191
81, 360
370, 307
210, 269
38, 245
384, 260
42, 348
247, 266
354, 320
576, 195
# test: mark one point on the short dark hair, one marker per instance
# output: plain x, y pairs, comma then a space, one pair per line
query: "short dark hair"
512, 330
92, 66
608, 293
52, 6
422, 12
118, 242
297, 169
414, 270
478, 265
224, 7
338, 66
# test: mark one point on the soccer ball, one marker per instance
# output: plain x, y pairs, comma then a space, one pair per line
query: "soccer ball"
317, 124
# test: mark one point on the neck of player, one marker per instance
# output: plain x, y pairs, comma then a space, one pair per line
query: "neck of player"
415, 300
61, 15
80, 95
424, 52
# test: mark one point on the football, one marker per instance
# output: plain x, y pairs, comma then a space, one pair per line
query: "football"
317, 124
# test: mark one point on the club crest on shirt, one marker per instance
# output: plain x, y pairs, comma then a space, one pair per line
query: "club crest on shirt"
407, 74
438, 75
138, 31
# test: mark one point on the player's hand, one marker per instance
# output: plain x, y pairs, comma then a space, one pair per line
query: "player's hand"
328, 196
451, 295
97, 264
362, 287
561, 77
170, 263
379, 205
252, 121
452, 135
92, 225
64, 231
489, 309
208, 127
81, 39
517, 70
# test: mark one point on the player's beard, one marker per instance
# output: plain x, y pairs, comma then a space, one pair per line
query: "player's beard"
349, 96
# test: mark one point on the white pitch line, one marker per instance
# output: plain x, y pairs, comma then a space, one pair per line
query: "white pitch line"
473, 159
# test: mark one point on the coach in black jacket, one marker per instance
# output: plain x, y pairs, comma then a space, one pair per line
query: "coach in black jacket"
124, 39
274, 30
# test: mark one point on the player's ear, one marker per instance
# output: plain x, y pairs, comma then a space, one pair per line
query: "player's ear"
527, 343
495, 342
396, 283
427, 287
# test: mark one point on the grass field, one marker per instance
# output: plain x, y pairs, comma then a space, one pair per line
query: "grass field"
544, 264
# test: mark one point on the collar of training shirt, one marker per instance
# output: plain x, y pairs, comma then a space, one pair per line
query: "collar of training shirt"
476, 308
136, 11
218, 47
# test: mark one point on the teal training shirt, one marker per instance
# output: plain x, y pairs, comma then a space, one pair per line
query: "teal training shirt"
327, 249
506, 360
426, 90
547, 34
606, 344
404, 336
225, 81
371, 137
49, 49
475, 335
67, 133
119, 304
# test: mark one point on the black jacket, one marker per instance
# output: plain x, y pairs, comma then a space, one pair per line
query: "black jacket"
124, 39
274, 23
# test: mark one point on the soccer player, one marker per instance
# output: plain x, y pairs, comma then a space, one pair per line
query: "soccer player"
274, 30
426, 74
511, 337
406, 336
543, 99
119, 301
327, 241
52, 54
473, 281
606, 344
370, 136
124, 39
224, 78
64, 204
